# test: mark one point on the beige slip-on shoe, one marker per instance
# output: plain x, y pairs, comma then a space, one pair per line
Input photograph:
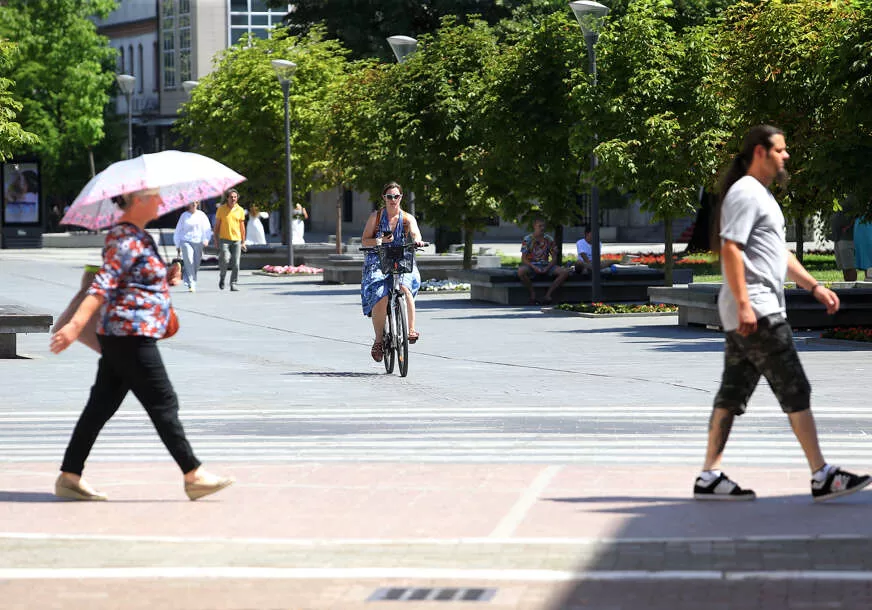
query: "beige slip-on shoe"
198, 490
64, 488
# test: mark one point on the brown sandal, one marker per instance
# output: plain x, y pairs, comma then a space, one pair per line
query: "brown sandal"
414, 335
378, 351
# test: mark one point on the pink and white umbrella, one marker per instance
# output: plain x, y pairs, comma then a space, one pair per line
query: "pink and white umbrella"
182, 177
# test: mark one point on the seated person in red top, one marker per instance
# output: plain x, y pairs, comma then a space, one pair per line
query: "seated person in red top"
538, 258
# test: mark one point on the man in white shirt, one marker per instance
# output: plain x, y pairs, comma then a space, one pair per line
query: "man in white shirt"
755, 262
584, 247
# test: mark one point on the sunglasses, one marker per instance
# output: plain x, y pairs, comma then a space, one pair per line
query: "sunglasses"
392, 197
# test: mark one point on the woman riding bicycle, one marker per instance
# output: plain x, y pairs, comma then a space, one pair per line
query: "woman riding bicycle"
389, 224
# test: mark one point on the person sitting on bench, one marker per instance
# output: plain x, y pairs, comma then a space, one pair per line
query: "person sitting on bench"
538, 258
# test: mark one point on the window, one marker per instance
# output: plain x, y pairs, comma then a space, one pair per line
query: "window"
130, 60
155, 58
121, 60
168, 43
184, 40
253, 17
141, 71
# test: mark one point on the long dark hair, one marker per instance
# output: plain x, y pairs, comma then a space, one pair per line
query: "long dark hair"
759, 135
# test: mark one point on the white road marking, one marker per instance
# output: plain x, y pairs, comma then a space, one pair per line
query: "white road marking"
480, 575
529, 497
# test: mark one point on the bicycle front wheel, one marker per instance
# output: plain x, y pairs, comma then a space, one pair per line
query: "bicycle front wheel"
389, 340
401, 315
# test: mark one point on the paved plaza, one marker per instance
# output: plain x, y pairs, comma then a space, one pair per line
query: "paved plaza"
530, 460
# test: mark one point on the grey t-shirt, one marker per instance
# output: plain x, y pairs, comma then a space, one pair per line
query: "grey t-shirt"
752, 218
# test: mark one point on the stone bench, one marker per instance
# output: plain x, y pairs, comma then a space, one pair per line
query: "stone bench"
698, 305
505, 287
348, 268
14, 319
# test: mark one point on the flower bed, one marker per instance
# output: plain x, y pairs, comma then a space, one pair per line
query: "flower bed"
280, 270
444, 286
855, 333
613, 308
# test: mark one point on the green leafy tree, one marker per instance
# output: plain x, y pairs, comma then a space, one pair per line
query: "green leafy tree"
365, 113
416, 123
847, 63
363, 25
236, 114
360, 142
657, 123
788, 89
12, 135
440, 132
528, 118
63, 74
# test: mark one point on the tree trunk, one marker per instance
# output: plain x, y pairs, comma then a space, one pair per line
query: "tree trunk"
667, 252
91, 159
558, 244
339, 201
700, 240
468, 234
799, 228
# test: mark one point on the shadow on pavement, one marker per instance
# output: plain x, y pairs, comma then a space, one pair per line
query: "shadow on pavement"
38, 497
442, 303
329, 292
783, 535
28, 497
334, 374
509, 316
700, 340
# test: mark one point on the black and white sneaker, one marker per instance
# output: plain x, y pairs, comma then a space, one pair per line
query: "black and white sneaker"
721, 488
838, 483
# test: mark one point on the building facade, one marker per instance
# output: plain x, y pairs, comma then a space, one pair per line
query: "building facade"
165, 43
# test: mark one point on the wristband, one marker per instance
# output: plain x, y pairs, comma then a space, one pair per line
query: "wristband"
378, 241
813, 288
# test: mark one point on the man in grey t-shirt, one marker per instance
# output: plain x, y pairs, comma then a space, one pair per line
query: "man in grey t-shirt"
755, 263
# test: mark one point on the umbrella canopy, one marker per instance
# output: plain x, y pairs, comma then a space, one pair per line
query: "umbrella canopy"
181, 177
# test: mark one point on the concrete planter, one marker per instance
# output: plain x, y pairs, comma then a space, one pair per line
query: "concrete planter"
348, 268
698, 305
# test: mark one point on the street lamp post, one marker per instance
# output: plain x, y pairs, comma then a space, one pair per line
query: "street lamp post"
190, 85
590, 16
285, 71
126, 84
403, 46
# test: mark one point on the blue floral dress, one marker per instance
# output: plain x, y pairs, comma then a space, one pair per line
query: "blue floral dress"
374, 285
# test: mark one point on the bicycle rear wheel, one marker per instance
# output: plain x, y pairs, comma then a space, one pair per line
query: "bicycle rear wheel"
402, 336
388, 340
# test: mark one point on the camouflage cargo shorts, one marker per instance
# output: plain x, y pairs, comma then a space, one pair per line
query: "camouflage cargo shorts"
769, 352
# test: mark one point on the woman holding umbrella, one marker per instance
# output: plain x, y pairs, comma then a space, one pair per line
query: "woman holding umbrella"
131, 294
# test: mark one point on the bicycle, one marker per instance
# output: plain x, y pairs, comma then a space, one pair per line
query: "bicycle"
395, 261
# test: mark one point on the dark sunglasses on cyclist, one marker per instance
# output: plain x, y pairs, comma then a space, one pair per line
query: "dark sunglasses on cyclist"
392, 197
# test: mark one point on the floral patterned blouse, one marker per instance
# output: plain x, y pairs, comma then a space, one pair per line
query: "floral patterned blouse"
539, 251
133, 284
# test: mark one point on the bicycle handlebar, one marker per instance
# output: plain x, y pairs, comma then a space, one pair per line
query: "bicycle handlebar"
407, 246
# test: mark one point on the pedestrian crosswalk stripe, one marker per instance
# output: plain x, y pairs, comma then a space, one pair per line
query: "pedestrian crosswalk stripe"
475, 435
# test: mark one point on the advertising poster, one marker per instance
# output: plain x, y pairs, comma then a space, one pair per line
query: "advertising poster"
21, 193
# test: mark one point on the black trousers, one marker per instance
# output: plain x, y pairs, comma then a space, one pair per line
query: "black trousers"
130, 364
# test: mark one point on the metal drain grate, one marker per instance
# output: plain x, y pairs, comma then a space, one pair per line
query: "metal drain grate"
443, 594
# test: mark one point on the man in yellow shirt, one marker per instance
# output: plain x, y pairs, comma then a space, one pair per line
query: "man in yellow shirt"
229, 237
